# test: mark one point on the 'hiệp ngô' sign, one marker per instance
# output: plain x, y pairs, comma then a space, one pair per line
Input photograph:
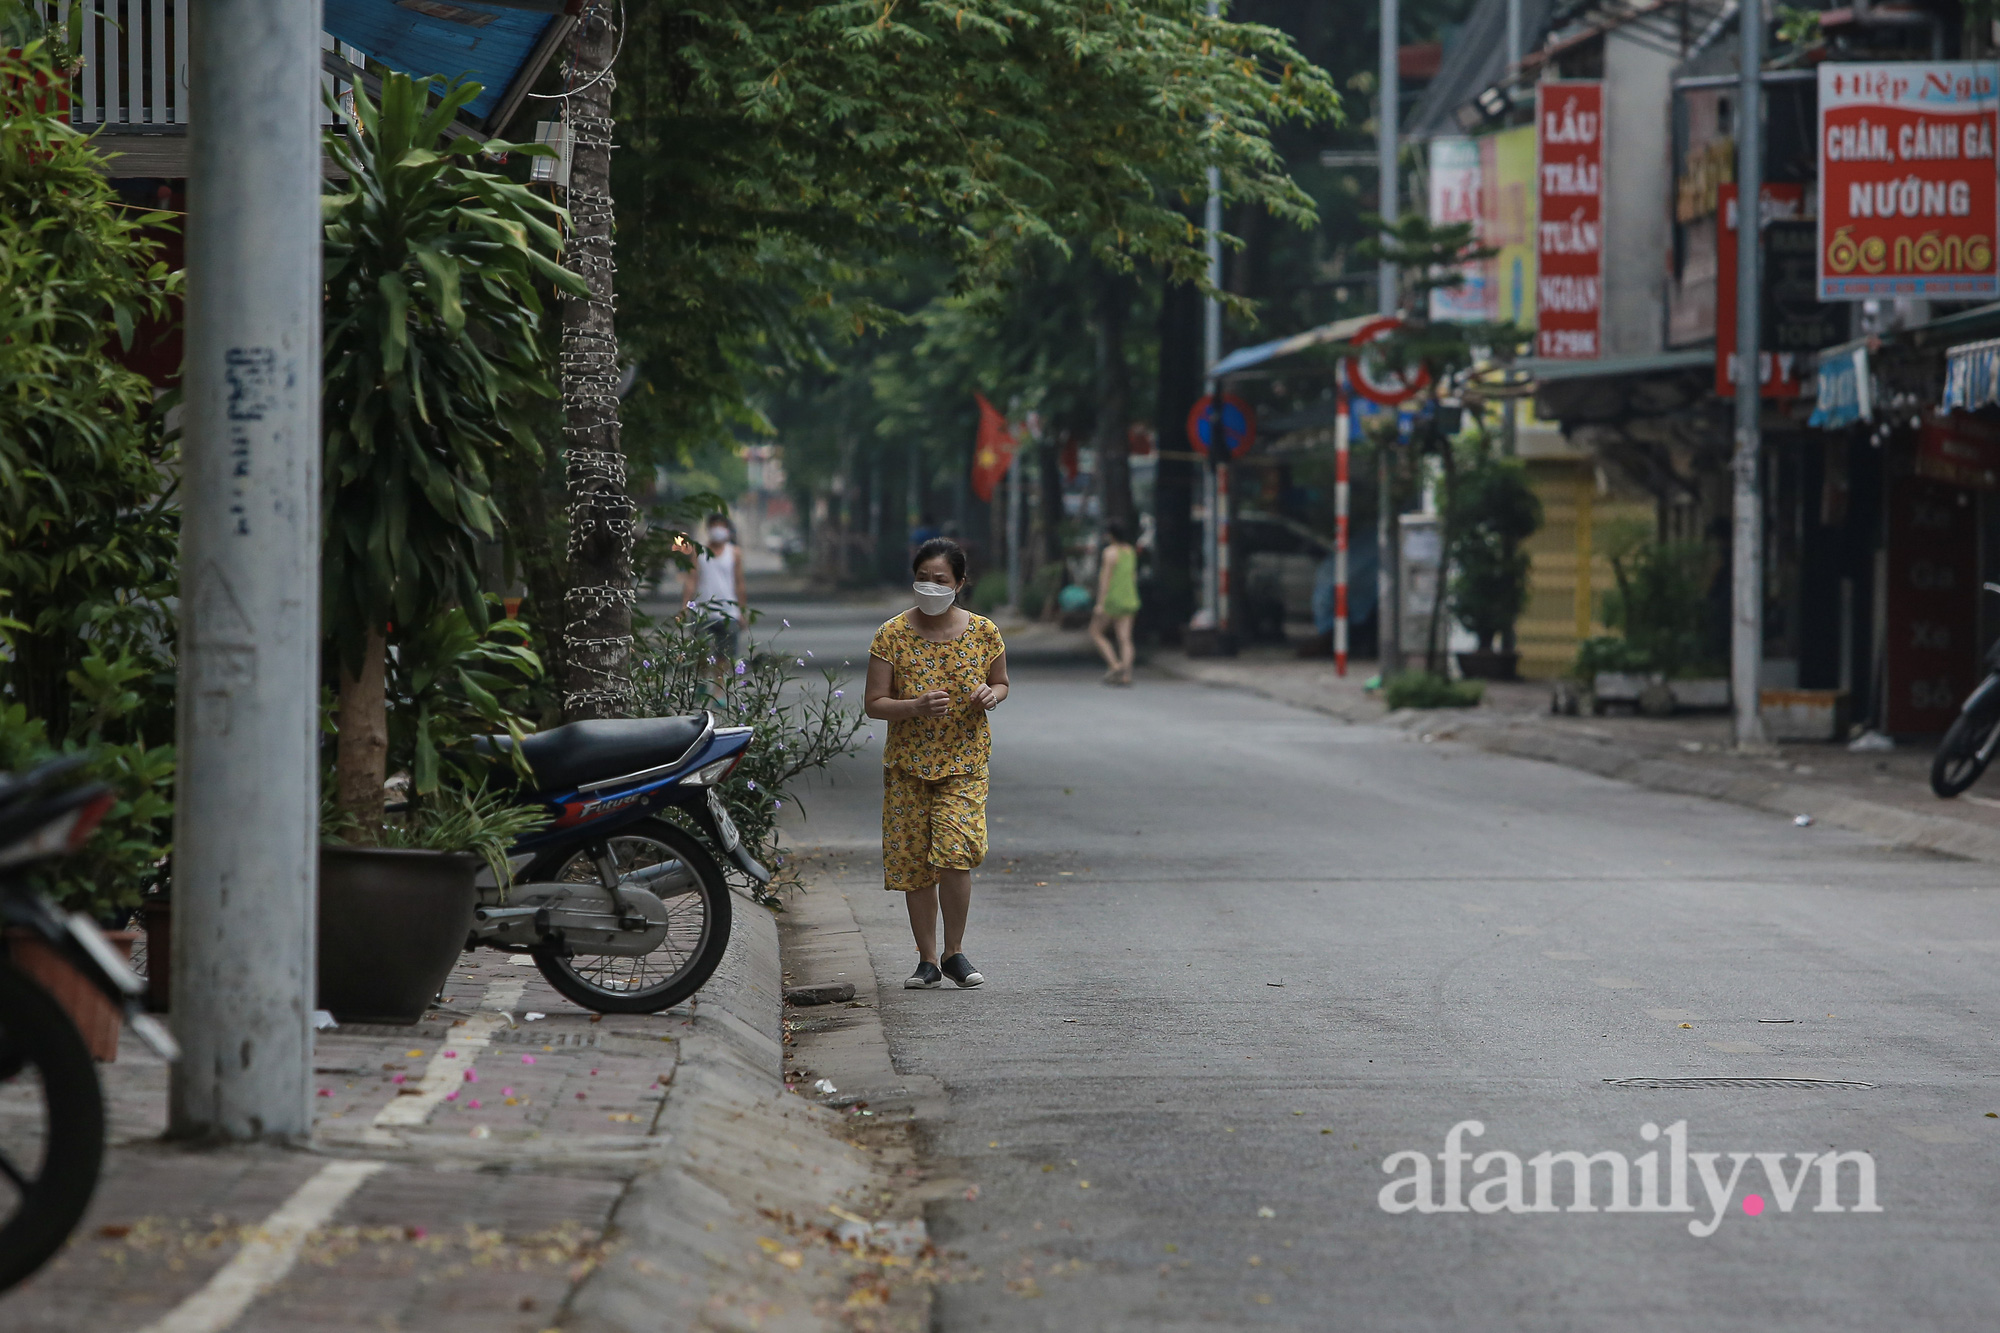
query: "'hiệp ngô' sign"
1909, 192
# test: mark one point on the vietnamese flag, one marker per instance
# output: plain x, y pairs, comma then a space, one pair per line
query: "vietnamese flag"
992, 452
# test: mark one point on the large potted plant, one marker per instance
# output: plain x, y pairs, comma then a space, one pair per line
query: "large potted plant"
1494, 510
434, 349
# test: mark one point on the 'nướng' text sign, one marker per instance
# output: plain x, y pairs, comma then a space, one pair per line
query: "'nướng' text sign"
1909, 195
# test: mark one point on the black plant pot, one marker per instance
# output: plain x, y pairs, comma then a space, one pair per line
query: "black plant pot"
391, 924
1488, 664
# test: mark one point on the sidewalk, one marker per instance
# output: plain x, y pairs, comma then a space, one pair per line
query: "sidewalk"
1884, 794
509, 1165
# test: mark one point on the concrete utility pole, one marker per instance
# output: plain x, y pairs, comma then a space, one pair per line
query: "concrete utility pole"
246, 824
1746, 631
1388, 599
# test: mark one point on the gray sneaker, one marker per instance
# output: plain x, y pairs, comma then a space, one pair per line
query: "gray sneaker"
960, 969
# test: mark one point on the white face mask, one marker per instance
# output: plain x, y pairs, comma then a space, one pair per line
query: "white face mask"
934, 599
718, 535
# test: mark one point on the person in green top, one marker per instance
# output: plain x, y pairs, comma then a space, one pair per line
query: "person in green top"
1117, 602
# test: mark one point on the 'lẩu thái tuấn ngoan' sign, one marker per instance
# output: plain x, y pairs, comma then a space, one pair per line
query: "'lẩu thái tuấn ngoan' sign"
1569, 231
1909, 194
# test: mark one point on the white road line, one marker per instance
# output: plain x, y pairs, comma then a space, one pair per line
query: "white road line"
269, 1253
446, 1073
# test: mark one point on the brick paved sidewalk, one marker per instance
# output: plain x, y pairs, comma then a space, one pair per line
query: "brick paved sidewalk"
490, 1207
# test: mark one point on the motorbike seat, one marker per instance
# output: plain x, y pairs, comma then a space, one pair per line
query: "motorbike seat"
580, 752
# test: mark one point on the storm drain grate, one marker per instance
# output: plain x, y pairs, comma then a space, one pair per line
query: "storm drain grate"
1809, 1084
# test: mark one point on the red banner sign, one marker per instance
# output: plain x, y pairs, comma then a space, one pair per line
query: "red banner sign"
1569, 236
1779, 372
1908, 187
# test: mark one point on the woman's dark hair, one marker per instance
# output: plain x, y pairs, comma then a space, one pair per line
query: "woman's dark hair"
941, 546
1119, 531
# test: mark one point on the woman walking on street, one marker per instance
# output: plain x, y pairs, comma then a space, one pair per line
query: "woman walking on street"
1117, 603
934, 672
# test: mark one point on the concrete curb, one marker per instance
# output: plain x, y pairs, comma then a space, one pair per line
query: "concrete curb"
718, 1234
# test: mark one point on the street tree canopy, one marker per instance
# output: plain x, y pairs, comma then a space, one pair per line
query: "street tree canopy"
775, 151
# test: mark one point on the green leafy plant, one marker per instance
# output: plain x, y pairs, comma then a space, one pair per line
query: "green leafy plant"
1801, 27
88, 534
128, 852
1658, 603
802, 725
1608, 652
475, 820
449, 683
1494, 510
1425, 689
434, 348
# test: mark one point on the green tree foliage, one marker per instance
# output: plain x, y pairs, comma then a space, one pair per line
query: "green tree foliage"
1657, 602
776, 151
87, 535
435, 349
87, 540
1494, 510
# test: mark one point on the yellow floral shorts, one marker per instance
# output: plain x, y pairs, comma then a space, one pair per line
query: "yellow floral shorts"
930, 826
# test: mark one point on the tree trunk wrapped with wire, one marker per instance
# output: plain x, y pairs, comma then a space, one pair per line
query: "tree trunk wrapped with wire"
597, 605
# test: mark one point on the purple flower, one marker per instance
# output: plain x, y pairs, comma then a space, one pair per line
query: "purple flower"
802, 661
839, 693
809, 652
752, 784
786, 623
739, 668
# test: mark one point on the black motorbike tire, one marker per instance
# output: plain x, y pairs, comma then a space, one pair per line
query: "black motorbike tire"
35, 1032
714, 894
1957, 765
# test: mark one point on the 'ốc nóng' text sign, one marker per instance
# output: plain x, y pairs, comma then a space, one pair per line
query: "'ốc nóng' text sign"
1569, 230
1908, 189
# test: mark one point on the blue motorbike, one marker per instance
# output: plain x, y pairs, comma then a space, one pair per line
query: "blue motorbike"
624, 908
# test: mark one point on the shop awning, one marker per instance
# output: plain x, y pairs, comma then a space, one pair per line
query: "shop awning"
1243, 358
1972, 376
503, 44
1546, 370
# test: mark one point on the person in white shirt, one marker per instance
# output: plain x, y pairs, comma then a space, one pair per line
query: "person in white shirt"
713, 589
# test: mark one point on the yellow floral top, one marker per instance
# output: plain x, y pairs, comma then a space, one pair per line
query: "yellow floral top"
959, 742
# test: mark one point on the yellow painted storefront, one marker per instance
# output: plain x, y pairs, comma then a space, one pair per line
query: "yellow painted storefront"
1576, 508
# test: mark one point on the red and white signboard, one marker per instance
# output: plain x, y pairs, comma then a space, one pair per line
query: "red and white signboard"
1909, 194
1569, 236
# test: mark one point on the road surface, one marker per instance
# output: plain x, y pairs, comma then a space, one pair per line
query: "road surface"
1239, 957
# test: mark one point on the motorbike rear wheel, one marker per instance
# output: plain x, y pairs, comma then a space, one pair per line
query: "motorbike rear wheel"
697, 927
1958, 765
51, 1109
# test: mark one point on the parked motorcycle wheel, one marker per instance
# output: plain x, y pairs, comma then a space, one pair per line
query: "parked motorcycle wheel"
1958, 765
48, 1164
697, 927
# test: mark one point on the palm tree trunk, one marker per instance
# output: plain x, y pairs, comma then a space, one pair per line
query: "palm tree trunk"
597, 605
361, 761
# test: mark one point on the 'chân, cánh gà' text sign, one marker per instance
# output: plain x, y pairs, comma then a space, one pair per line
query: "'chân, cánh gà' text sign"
1909, 194
1569, 231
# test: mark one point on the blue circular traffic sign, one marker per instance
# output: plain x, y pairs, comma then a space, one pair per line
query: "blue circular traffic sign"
1239, 423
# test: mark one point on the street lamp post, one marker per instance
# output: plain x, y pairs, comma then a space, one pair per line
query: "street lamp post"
246, 829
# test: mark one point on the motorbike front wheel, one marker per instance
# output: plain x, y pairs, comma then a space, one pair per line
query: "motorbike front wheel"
697, 927
1958, 763
51, 1126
